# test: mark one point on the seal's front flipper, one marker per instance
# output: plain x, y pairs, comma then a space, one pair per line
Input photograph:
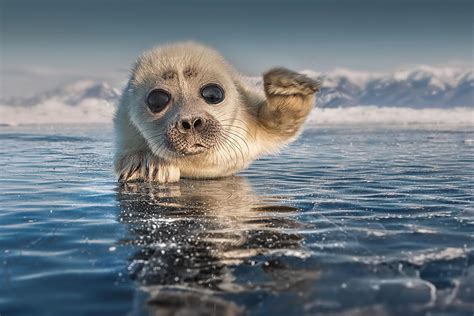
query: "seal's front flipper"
145, 167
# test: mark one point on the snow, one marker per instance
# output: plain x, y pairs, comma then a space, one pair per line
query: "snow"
391, 115
55, 111
421, 94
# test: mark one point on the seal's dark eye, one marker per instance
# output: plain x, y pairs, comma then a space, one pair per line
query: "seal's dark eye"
212, 93
157, 100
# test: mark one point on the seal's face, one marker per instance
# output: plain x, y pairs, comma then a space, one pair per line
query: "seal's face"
192, 130
182, 106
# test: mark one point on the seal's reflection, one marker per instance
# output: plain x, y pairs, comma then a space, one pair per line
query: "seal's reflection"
193, 234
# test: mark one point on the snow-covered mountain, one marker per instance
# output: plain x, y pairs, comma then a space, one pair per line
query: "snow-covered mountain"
79, 102
70, 94
419, 88
422, 87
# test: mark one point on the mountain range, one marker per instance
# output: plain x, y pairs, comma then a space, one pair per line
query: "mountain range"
421, 87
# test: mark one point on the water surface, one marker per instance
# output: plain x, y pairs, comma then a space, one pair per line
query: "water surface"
351, 220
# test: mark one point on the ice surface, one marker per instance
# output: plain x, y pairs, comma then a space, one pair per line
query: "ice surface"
347, 221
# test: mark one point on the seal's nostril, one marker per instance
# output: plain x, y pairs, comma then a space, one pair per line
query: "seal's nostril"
197, 123
186, 125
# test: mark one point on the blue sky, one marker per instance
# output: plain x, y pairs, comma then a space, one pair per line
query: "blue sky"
46, 42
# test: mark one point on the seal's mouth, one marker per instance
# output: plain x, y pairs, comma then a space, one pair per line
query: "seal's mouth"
194, 149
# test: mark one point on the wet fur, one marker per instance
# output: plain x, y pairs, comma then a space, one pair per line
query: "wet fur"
250, 123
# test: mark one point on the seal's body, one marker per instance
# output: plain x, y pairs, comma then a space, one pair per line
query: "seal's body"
187, 113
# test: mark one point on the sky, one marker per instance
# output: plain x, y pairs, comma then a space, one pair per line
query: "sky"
44, 43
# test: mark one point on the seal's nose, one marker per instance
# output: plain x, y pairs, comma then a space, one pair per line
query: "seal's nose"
188, 125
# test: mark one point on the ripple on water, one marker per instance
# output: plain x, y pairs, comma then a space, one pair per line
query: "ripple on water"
345, 222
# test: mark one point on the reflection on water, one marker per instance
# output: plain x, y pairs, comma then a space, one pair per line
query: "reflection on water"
357, 221
192, 235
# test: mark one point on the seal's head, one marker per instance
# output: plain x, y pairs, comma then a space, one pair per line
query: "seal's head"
181, 98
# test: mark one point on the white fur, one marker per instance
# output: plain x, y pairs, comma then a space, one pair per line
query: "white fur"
140, 133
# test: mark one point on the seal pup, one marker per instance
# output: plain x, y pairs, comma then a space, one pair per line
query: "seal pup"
186, 112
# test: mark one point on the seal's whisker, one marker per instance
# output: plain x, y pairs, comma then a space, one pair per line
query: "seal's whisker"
236, 134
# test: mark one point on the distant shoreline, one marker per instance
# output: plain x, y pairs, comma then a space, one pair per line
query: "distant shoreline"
102, 113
